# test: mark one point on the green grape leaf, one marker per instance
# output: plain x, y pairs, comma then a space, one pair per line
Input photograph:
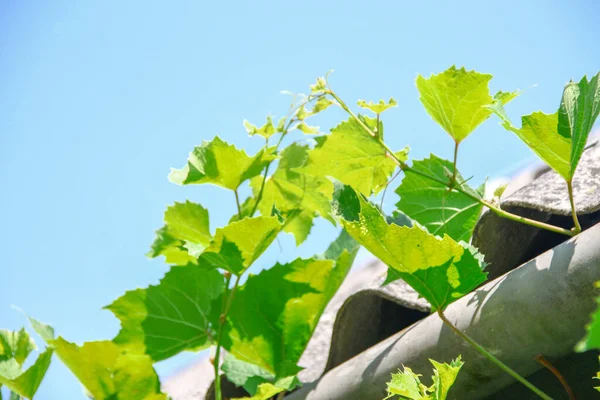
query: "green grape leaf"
25, 383
456, 99
173, 249
407, 385
189, 222
245, 374
378, 108
266, 131
171, 317
236, 246
433, 206
539, 132
302, 113
250, 376
299, 223
440, 269
185, 234
592, 336
559, 138
319, 86
499, 191
506, 97
321, 105
444, 377
221, 164
15, 344
45, 331
288, 190
307, 129
265, 392
352, 156
271, 328
108, 372
578, 111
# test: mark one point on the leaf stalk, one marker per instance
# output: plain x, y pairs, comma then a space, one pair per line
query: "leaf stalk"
542, 360
454, 170
577, 227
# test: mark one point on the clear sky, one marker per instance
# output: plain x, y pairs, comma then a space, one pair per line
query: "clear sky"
98, 99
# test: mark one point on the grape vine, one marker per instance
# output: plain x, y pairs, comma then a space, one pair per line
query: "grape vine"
263, 325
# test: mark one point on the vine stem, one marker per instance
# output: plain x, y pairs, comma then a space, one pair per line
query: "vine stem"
542, 360
264, 180
217, 360
237, 203
493, 359
577, 228
229, 294
386, 188
497, 210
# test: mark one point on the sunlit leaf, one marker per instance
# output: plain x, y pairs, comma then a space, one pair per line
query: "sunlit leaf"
539, 132
108, 372
439, 268
221, 164
245, 374
174, 250
457, 99
578, 111
185, 234
236, 246
319, 86
273, 314
15, 346
407, 384
287, 190
380, 107
352, 156
499, 191
309, 130
559, 138
431, 203
265, 392
172, 316
444, 376
266, 131
250, 376
321, 104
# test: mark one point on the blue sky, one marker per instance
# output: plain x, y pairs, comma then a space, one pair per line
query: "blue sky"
98, 99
